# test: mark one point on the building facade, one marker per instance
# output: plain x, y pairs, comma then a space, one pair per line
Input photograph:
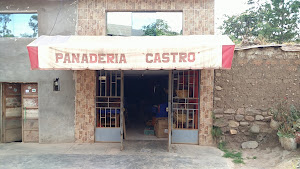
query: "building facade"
68, 115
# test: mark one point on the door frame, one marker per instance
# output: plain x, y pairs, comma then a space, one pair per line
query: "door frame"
122, 110
1, 118
2, 115
103, 134
170, 92
180, 133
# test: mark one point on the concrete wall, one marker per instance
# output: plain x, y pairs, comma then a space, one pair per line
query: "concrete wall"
259, 79
56, 109
198, 19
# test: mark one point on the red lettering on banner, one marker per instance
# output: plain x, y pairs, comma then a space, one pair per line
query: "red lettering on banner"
101, 58
170, 57
116, 58
174, 56
165, 58
123, 59
75, 57
93, 58
182, 57
90, 58
84, 58
58, 56
191, 57
110, 58
157, 58
147, 57
67, 58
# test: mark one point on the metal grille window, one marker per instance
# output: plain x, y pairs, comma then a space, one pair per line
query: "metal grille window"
108, 99
185, 99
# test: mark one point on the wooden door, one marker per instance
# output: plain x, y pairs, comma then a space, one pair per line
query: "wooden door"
30, 112
11, 112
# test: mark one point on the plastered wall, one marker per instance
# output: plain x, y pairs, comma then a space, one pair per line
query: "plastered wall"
56, 109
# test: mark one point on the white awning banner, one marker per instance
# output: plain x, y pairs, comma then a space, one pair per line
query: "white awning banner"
131, 53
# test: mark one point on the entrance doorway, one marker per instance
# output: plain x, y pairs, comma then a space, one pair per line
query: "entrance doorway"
146, 102
148, 105
19, 122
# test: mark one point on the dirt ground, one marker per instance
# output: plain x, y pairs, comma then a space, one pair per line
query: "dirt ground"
268, 155
276, 158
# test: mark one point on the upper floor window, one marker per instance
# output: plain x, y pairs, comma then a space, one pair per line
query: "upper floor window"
144, 23
18, 25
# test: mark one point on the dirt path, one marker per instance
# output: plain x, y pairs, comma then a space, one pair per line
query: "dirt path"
268, 158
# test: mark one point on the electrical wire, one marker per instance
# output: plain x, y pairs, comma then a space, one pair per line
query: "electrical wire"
56, 17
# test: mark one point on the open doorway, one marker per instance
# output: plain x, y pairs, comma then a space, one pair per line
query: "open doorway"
146, 102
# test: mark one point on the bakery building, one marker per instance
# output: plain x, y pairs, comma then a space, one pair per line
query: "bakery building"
93, 76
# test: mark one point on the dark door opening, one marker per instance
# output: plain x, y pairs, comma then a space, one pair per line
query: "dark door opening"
146, 101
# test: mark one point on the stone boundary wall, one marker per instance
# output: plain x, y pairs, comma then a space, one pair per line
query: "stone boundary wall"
259, 79
198, 19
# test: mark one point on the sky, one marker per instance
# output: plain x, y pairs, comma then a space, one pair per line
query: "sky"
227, 7
222, 7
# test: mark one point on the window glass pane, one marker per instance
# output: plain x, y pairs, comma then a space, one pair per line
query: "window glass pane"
118, 23
144, 23
18, 25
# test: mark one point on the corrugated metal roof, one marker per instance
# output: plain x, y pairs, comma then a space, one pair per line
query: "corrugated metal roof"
287, 48
294, 48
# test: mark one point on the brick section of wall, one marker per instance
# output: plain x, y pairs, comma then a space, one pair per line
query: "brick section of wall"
85, 106
206, 107
259, 79
198, 19
198, 15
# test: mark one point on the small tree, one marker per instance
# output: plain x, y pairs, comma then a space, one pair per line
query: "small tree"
275, 21
4, 20
33, 24
280, 20
158, 28
242, 26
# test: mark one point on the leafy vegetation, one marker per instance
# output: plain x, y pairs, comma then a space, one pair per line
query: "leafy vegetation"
289, 118
222, 145
236, 156
4, 20
5, 26
158, 28
33, 24
273, 21
216, 132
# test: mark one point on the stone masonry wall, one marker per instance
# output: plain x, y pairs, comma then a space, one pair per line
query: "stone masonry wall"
259, 79
198, 19
85, 84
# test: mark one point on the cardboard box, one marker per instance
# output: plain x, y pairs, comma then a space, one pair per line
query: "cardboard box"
161, 128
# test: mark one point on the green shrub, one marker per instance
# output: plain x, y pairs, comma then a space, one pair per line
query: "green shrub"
236, 156
216, 132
